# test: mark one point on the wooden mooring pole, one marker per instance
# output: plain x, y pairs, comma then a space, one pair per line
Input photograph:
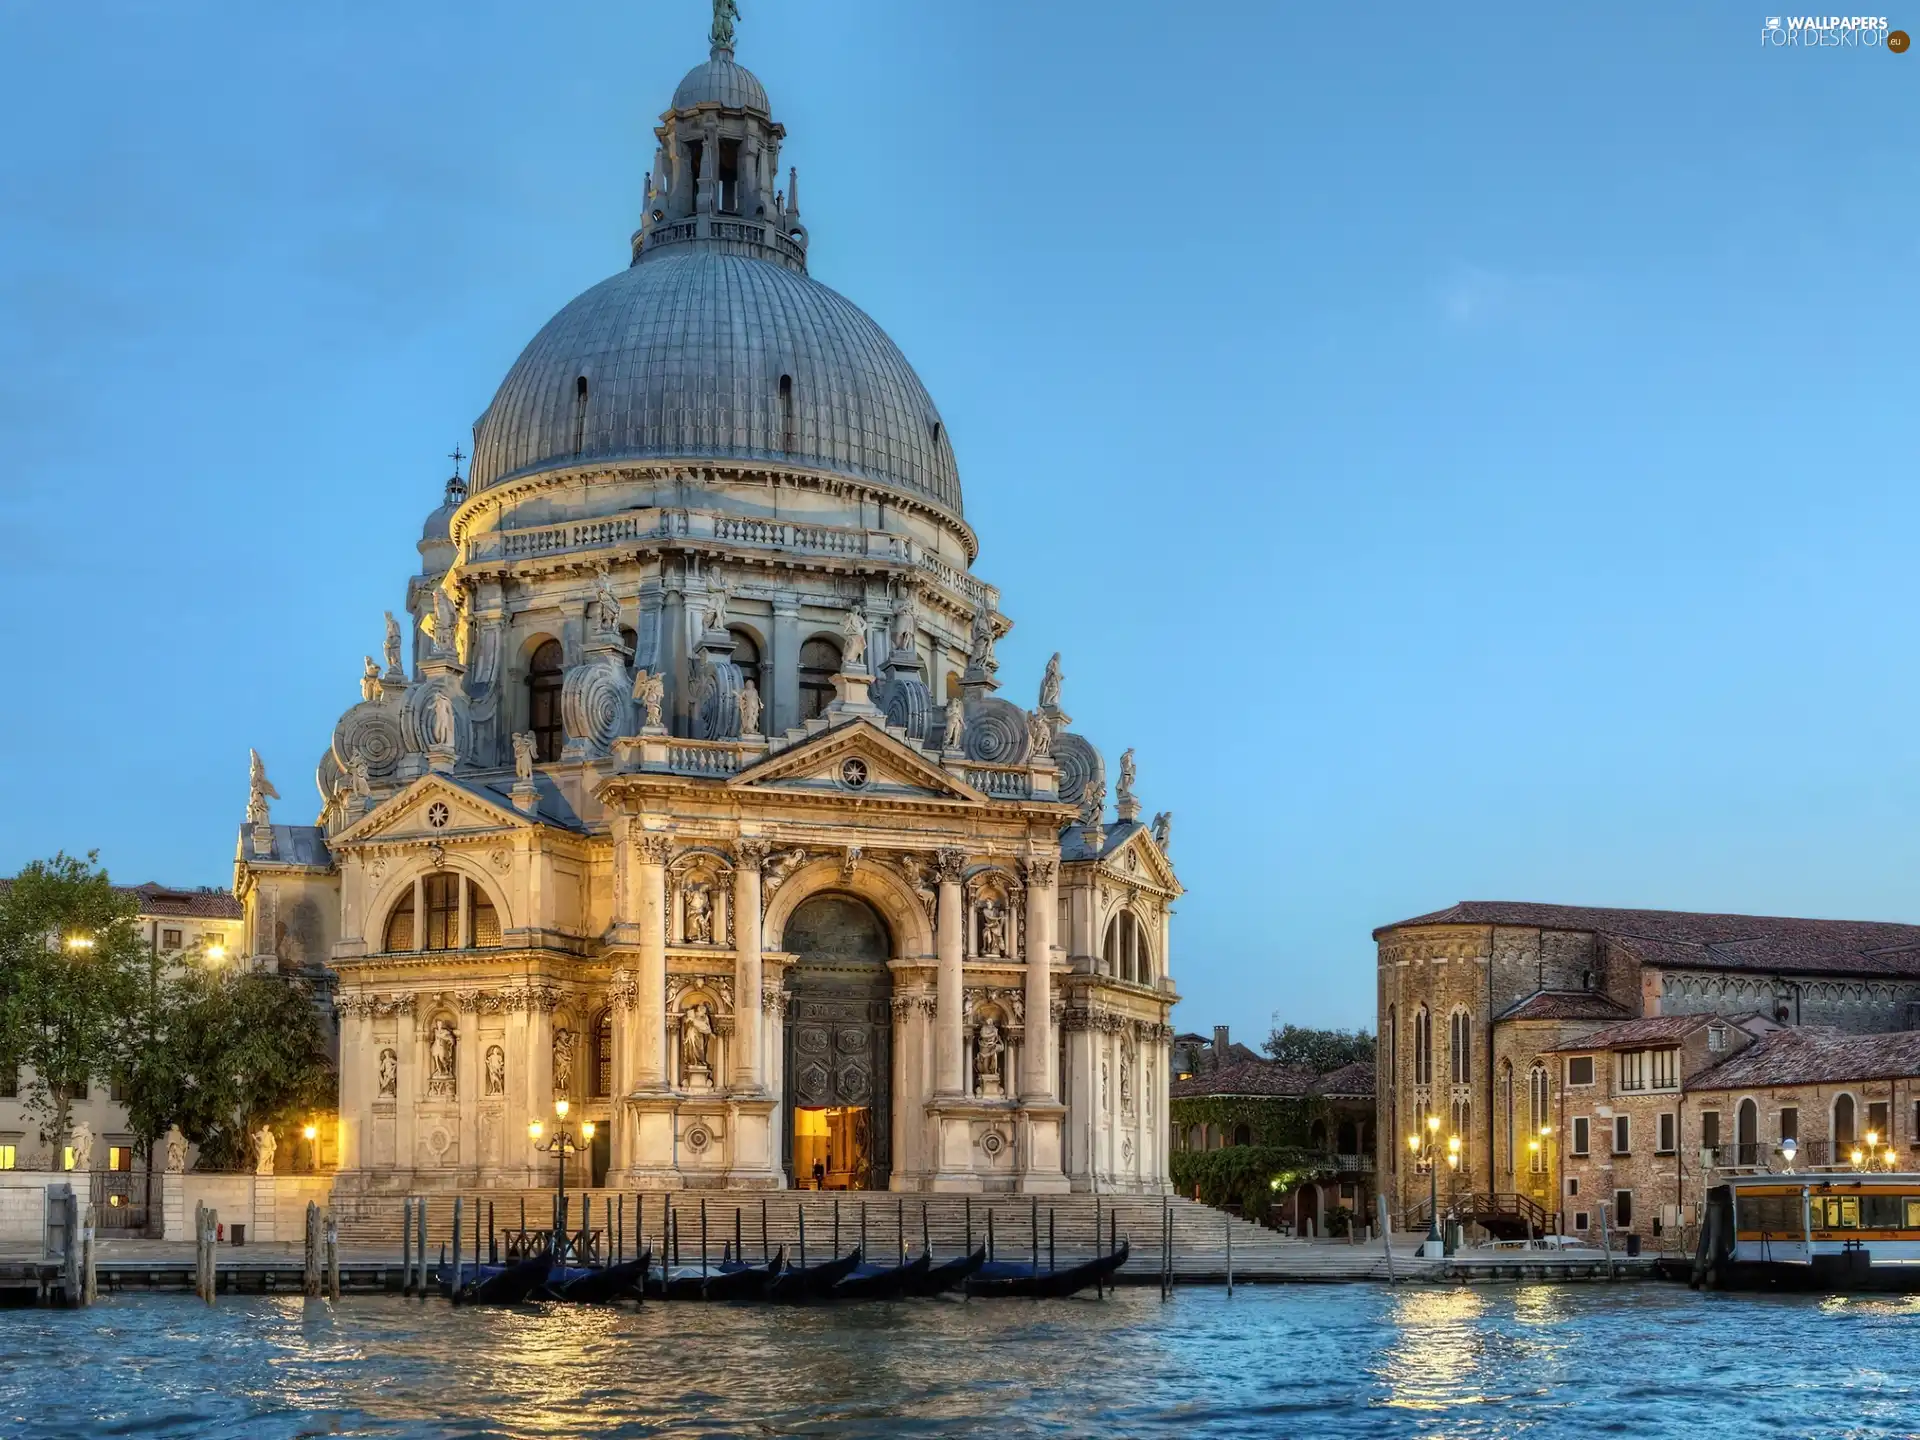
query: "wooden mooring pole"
459, 1229
310, 1274
70, 1292
420, 1250
1386, 1235
1227, 1220
333, 1257
406, 1246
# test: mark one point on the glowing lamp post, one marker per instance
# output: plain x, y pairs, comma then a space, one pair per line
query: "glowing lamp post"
1789, 1148
1425, 1157
560, 1146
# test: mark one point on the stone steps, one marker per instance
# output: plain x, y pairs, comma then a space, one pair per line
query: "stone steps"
1199, 1233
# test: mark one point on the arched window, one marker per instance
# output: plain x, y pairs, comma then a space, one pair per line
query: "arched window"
603, 1055
399, 936
546, 673
1196, 1137
1422, 1047
1507, 1110
1393, 1085
1463, 1127
579, 413
1460, 1047
1125, 951
1842, 1123
1347, 1138
1537, 1119
746, 654
786, 412
1317, 1136
429, 912
1746, 1130
933, 434
1242, 1135
819, 663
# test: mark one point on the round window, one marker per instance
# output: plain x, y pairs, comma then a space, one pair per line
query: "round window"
438, 815
853, 773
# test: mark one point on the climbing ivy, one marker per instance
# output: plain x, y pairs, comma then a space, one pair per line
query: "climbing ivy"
1282, 1120
1244, 1175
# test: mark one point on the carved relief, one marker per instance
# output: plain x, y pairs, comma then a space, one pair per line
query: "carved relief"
565, 1044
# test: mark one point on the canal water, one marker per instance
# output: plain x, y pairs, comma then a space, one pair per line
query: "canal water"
1536, 1361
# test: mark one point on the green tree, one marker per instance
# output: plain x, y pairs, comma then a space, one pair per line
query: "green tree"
241, 1050
71, 962
1321, 1050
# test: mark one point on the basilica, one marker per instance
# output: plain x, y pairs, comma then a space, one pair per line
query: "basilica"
683, 788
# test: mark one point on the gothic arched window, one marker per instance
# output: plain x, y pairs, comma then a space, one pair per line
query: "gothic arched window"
1537, 1121
819, 663
1422, 1047
546, 673
1459, 1048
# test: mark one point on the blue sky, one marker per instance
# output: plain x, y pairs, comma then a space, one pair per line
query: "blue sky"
1469, 455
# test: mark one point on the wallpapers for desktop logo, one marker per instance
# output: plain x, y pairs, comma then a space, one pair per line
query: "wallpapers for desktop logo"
1860, 32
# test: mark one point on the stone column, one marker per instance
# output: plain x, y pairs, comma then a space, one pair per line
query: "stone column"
1037, 1052
748, 1073
950, 944
466, 1070
781, 675
407, 1087
353, 1083
650, 1058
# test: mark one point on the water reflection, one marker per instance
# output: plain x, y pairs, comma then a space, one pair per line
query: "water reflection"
1308, 1361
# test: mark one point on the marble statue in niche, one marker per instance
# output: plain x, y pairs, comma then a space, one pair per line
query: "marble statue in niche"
496, 1070
853, 630
696, 1046
523, 755
565, 1043
389, 1072
988, 1048
440, 1055
993, 928
699, 914
750, 709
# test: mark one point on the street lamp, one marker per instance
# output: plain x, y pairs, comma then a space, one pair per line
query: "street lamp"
311, 1134
79, 942
1425, 1158
1789, 1148
560, 1146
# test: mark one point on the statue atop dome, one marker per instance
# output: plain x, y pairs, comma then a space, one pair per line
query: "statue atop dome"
725, 14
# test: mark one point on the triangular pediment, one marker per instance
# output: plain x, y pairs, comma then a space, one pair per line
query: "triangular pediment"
856, 760
433, 808
1138, 857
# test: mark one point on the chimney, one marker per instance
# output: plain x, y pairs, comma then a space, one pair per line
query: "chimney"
1219, 1046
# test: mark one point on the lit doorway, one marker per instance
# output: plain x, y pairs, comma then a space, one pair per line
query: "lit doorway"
833, 1147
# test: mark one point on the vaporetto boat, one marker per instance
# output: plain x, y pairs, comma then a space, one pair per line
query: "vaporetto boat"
1826, 1231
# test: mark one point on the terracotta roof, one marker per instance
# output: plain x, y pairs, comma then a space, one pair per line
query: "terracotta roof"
1648, 1031
1683, 938
1356, 1079
1814, 1055
1248, 1077
1268, 1077
1565, 1005
197, 904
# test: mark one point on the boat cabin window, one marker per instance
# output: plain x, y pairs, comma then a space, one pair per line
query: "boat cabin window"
1772, 1214
1836, 1212
1883, 1212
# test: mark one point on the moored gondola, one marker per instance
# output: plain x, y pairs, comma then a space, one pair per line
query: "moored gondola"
948, 1274
798, 1284
506, 1284
883, 1282
603, 1284
726, 1282
1006, 1279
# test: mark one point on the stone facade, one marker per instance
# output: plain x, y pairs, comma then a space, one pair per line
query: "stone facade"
690, 797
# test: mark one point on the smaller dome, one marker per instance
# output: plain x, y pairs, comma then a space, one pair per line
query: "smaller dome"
439, 526
719, 81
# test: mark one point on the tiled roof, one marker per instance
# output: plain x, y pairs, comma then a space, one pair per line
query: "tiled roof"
1349, 1080
1248, 1077
1680, 938
196, 904
1814, 1055
1268, 1077
1565, 1005
1648, 1031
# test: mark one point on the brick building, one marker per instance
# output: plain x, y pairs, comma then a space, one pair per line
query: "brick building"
1518, 1027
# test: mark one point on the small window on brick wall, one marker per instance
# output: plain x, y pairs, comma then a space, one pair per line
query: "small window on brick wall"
1580, 1070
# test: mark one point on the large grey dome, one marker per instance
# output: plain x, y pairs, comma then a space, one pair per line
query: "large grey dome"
720, 81
698, 354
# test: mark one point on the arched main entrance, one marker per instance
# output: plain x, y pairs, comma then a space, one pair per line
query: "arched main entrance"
836, 1115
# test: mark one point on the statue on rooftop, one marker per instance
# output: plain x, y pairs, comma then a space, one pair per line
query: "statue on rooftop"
726, 13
